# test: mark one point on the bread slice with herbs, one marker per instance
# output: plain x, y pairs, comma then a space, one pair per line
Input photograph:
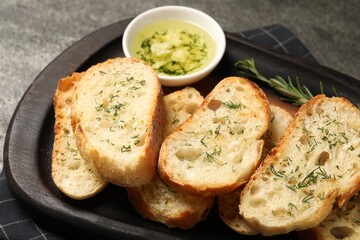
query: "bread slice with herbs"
217, 149
156, 200
279, 121
117, 117
228, 208
228, 204
179, 105
74, 176
159, 202
340, 224
315, 165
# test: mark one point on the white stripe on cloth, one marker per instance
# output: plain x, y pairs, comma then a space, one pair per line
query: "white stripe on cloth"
3, 230
7, 200
263, 32
276, 40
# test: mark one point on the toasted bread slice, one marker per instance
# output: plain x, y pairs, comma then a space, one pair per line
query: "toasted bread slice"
279, 121
74, 176
156, 200
228, 204
314, 165
340, 224
179, 105
228, 208
217, 149
117, 117
176, 209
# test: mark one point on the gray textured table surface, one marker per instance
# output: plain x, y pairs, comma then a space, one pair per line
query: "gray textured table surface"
33, 33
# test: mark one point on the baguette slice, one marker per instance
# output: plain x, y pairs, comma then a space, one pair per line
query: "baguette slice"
340, 224
117, 117
179, 105
159, 202
74, 176
228, 208
315, 164
228, 204
279, 121
217, 149
156, 200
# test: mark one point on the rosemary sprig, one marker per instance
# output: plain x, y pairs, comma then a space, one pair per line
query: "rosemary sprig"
296, 94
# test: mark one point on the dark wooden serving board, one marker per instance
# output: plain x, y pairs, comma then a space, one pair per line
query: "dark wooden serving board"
29, 139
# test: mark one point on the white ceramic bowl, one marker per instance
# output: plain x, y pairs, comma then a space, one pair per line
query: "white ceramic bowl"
185, 14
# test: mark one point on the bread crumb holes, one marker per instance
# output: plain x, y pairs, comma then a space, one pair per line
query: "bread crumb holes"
319, 110
323, 158
342, 232
309, 112
239, 89
256, 202
214, 104
188, 153
254, 189
74, 165
191, 107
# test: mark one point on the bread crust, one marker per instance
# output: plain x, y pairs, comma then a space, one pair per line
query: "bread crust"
307, 147
245, 98
127, 77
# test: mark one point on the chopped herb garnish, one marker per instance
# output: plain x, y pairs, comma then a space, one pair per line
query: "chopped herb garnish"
125, 148
174, 120
231, 105
217, 131
322, 196
308, 197
276, 173
212, 155
202, 141
296, 93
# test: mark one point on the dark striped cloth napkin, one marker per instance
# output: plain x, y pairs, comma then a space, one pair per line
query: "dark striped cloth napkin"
16, 224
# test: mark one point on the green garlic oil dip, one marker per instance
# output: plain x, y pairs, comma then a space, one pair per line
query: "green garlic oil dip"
174, 47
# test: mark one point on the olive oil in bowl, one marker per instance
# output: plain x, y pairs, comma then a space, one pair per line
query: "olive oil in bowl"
174, 47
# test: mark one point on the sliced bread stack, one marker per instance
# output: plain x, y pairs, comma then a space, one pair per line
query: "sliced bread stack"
174, 206
110, 122
156, 200
108, 127
228, 204
74, 176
